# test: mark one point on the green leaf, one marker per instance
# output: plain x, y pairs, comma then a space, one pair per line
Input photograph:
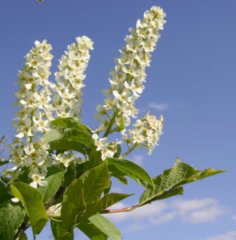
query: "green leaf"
105, 226
64, 144
4, 196
72, 134
58, 231
130, 169
51, 136
101, 204
53, 183
11, 217
117, 154
87, 188
79, 136
70, 123
171, 179
91, 231
117, 174
32, 200
23, 236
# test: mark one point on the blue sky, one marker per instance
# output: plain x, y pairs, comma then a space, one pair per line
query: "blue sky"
191, 82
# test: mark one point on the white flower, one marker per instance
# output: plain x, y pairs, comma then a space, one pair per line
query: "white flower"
37, 180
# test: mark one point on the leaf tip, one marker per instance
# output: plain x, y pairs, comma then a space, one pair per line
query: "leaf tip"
178, 160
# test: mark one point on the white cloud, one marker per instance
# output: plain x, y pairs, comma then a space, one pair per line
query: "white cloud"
116, 189
138, 159
190, 211
199, 211
135, 227
227, 236
159, 106
234, 217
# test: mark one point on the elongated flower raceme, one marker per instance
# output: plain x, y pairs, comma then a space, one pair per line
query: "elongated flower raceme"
67, 92
128, 76
33, 99
127, 80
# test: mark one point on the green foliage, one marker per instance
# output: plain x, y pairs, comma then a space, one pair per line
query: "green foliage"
53, 183
11, 217
83, 191
58, 231
105, 226
170, 182
4, 195
32, 200
130, 169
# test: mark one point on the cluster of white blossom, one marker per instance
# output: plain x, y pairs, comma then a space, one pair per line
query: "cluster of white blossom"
67, 92
33, 99
128, 77
107, 149
36, 110
38, 107
129, 74
146, 133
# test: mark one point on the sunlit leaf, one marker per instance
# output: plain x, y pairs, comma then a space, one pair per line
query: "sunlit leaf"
82, 191
32, 200
171, 179
130, 169
53, 183
105, 226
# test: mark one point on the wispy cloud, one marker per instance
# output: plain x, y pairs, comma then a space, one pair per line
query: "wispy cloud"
138, 159
234, 217
226, 236
159, 106
116, 189
190, 211
165, 106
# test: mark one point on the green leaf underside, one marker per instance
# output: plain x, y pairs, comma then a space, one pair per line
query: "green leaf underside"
82, 191
53, 183
51, 136
58, 231
32, 200
67, 144
180, 174
117, 174
79, 136
105, 226
92, 231
11, 217
71, 134
70, 123
131, 169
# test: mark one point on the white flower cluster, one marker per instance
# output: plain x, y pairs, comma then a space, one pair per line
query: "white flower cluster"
38, 107
107, 149
34, 102
146, 132
129, 74
67, 92
36, 110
